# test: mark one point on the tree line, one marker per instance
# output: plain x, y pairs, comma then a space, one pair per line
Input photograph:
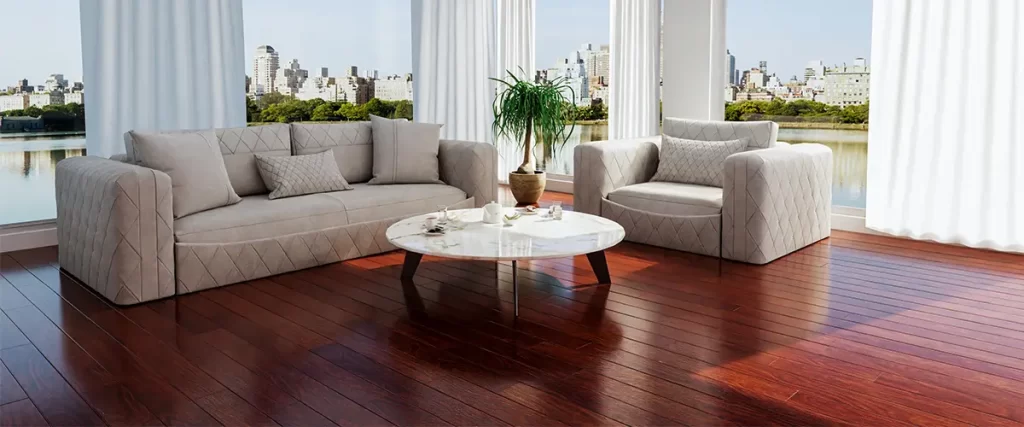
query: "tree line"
799, 110
280, 108
63, 118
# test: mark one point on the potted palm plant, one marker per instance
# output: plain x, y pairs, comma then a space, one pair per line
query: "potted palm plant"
525, 110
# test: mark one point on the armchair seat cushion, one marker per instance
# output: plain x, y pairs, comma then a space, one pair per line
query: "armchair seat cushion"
259, 217
670, 198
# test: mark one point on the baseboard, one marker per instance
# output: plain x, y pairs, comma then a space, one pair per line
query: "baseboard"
558, 185
31, 235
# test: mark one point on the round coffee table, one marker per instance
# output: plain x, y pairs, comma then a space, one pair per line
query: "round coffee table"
529, 237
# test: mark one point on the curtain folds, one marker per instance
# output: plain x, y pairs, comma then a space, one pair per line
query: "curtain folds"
515, 51
452, 61
160, 65
946, 161
634, 68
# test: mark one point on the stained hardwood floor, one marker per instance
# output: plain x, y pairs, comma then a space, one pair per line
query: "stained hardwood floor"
856, 329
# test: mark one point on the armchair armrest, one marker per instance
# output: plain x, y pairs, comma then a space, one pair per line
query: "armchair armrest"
601, 167
114, 228
472, 167
776, 201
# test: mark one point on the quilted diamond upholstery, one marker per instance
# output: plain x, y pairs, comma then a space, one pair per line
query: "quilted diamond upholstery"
691, 161
697, 234
114, 228
351, 143
298, 175
601, 167
776, 201
204, 266
471, 167
761, 134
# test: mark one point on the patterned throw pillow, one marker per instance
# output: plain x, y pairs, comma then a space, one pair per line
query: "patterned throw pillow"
297, 175
690, 161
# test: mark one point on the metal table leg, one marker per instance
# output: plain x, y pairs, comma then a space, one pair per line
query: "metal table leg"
515, 287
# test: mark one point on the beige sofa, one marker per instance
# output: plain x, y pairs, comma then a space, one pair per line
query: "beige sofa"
117, 234
776, 197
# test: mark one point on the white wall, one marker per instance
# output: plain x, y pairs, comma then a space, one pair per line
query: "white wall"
694, 59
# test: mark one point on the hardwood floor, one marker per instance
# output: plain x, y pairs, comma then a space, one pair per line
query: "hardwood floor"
856, 329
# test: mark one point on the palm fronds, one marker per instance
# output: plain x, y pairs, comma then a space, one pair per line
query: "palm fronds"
523, 108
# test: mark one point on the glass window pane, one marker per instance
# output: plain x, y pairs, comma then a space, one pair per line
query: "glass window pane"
42, 118
812, 77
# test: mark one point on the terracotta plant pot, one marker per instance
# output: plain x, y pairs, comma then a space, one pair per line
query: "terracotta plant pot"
527, 187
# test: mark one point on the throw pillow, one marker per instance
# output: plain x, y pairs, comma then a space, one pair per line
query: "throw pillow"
199, 180
404, 152
297, 175
690, 161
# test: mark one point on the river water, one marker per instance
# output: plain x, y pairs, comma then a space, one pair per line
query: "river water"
28, 162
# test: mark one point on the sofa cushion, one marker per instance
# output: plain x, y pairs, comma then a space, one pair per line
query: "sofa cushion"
690, 161
670, 198
372, 202
237, 147
405, 152
299, 175
762, 134
193, 161
258, 217
351, 143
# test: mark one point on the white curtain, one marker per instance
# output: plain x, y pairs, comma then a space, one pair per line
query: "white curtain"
515, 51
452, 61
634, 67
160, 65
946, 155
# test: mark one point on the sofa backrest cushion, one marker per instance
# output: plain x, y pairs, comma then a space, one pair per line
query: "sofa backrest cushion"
238, 146
762, 134
351, 143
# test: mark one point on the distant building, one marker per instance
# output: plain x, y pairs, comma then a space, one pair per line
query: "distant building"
814, 69
43, 99
323, 72
21, 124
13, 102
317, 87
264, 70
847, 84
21, 86
393, 88
756, 79
754, 96
597, 66
730, 67
355, 90
730, 93
55, 82
353, 71
574, 70
74, 97
288, 80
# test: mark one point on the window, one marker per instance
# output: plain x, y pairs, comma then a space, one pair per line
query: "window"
42, 117
572, 42
815, 87
327, 70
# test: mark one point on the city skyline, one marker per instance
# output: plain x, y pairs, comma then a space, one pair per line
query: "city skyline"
564, 25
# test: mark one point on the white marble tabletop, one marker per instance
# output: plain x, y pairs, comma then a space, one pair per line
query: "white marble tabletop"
529, 237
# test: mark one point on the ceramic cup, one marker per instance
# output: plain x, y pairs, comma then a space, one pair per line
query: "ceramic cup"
430, 222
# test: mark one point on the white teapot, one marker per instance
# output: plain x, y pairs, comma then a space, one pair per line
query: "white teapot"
492, 213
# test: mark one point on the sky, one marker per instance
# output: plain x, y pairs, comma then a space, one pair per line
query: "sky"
376, 34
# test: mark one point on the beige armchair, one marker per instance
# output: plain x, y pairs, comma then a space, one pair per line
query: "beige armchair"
776, 198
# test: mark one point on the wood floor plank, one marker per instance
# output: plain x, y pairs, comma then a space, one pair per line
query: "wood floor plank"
20, 414
856, 329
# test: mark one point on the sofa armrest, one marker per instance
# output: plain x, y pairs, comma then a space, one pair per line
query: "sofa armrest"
776, 201
472, 167
114, 228
601, 167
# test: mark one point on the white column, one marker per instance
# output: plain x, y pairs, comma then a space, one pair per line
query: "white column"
452, 61
515, 51
160, 65
633, 68
694, 55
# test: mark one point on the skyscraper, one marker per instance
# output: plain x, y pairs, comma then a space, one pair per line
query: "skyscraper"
730, 67
264, 69
763, 65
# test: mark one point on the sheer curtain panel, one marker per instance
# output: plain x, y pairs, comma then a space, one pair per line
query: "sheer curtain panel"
160, 65
946, 160
452, 61
516, 35
634, 67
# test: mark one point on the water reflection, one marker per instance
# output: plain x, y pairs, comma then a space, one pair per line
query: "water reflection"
27, 167
849, 148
